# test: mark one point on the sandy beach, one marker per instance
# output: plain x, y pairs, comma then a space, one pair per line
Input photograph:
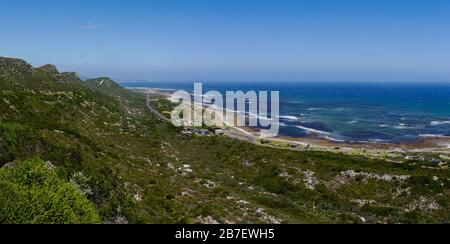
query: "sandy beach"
394, 151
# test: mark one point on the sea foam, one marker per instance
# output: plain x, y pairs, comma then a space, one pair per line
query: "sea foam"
438, 123
288, 117
310, 130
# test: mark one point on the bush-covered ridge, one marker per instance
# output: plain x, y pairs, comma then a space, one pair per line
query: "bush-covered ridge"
136, 169
32, 193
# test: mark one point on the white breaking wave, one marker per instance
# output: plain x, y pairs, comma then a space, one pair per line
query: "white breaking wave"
314, 109
310, 130
332, 139
437, 123
433, 135
289, 117
401, 127
378, 140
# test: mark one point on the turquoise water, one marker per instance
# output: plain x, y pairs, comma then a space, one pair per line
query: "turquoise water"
377, 112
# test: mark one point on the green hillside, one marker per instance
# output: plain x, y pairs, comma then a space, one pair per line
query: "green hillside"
105, 146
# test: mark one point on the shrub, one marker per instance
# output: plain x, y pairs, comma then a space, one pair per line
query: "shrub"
8, 141
32, 193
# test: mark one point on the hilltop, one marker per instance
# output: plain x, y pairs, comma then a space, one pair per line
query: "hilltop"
102, 82
135, 168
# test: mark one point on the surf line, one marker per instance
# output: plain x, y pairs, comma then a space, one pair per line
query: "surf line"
208, 109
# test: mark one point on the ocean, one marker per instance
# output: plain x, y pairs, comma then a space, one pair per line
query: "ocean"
348, 111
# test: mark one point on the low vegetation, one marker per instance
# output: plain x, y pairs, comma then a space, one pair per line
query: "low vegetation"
115, 162
32, 193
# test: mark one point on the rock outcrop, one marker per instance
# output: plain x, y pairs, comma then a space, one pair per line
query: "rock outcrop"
48, 69
11, 68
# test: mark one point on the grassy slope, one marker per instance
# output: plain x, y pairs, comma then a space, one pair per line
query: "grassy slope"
138, 169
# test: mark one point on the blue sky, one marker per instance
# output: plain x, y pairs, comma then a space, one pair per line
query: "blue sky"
218, 40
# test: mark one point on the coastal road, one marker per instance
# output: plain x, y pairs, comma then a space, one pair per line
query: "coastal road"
156, 112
